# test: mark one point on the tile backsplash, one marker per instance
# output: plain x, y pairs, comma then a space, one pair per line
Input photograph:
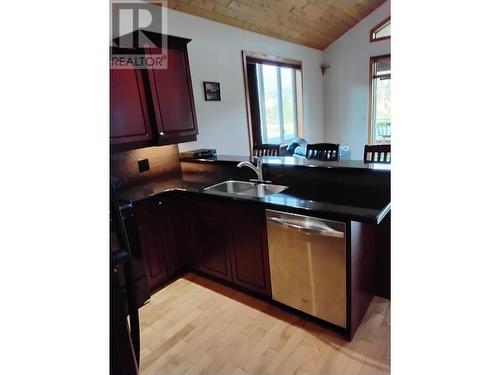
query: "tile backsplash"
163, 161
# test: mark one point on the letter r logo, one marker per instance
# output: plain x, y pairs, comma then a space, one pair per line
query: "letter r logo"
130, 19
139, 35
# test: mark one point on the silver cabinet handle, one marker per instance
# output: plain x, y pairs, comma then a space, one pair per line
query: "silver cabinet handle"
162, 134
324, 232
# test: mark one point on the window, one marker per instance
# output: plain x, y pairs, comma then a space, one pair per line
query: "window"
380, 100
381, 31
277, 103
274, 98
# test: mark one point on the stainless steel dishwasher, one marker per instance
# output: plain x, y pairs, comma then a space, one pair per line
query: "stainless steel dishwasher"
307, 259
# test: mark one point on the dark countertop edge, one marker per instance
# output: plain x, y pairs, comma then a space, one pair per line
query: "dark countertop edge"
214, 161
327, 165
332, 215
364, 167
370, 219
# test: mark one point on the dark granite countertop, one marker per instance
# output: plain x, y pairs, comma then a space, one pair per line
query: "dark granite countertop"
230, 159
292, 161
158, 186
336, 208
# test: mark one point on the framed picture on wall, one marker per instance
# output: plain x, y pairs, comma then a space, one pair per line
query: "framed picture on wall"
212, 91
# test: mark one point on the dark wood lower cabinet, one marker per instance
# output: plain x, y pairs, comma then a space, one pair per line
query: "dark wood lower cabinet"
171, 229
151, 243
161, 238
230, 242
212, 247
223, 239
250, 259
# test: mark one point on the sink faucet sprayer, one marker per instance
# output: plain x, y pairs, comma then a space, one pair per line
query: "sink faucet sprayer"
257, 169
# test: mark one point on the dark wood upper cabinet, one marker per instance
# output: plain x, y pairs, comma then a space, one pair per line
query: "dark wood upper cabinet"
172, 95
153, 107
130, 120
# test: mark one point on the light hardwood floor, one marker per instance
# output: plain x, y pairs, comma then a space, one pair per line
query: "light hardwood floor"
197, 326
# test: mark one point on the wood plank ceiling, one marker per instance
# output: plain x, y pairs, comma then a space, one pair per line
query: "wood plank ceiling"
312, 23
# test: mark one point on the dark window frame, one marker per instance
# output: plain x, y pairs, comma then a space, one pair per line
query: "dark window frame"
376, 28
259, 58
371, 115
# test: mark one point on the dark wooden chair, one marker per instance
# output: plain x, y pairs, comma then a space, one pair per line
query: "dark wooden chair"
323, 151
377, 154
266, 150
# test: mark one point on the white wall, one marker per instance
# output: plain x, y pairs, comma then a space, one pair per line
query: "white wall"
346, 83
215, 55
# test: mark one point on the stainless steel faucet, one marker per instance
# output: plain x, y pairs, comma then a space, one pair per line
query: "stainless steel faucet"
258, 169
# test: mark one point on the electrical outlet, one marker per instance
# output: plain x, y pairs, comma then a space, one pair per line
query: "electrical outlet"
143, 165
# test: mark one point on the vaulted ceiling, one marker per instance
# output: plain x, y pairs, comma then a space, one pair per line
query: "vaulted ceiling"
312, 23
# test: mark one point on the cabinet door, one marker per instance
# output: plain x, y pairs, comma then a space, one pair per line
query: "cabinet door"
212, 242
151, 243
130, 120
250, 259
173, 97
171, 231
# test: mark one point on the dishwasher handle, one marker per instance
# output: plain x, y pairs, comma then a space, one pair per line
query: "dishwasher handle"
325, 231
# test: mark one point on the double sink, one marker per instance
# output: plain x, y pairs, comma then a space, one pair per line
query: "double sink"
245, 188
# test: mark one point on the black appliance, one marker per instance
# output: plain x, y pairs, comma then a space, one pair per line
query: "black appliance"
125, 336
140, 282
199, 154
